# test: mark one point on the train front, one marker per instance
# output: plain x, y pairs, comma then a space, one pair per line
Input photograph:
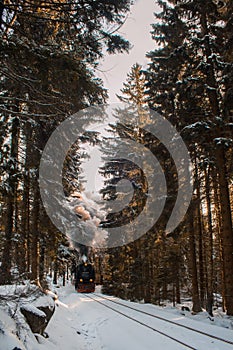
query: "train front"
85, 278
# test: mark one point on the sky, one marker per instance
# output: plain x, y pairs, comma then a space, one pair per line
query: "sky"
136, 29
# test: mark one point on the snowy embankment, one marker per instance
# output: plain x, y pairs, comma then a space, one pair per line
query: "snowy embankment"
16, 303
81, 323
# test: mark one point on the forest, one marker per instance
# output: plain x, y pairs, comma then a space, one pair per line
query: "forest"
50, 54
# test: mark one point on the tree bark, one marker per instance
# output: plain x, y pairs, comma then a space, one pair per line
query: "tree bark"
25, 212
226, 231
5, 270
209, 252
193, 266
35, 233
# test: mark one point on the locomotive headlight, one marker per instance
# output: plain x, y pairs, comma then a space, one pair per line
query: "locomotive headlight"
81, 280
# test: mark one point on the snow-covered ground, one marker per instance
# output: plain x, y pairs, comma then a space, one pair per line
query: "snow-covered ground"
81, 323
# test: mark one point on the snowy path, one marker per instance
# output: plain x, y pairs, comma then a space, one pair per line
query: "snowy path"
81, 323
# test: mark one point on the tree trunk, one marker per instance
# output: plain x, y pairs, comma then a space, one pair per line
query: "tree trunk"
226, 228
35, 233
219, 239
210, 72
201, 259
64, 278
38, 143
178, 286
209, 252
198, 229
5, 275
42, 262
25, 212
193, 266
55, 271
5, 270
148, 281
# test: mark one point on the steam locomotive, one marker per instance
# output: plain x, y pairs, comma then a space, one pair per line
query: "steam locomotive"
85, 278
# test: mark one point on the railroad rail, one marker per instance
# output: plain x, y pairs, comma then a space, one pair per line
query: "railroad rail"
188, 346
166, 320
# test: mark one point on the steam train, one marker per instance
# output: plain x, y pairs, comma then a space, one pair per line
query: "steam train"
85, 278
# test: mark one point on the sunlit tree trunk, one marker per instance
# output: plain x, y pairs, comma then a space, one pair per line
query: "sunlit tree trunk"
209, 252
226, 228
193, 267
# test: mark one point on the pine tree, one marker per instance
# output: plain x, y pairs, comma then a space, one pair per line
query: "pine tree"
187, 82
134, 88
49, 53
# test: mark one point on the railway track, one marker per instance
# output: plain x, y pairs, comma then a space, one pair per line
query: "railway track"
102, 298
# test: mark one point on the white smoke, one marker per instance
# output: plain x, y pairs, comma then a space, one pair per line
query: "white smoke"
88, 209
